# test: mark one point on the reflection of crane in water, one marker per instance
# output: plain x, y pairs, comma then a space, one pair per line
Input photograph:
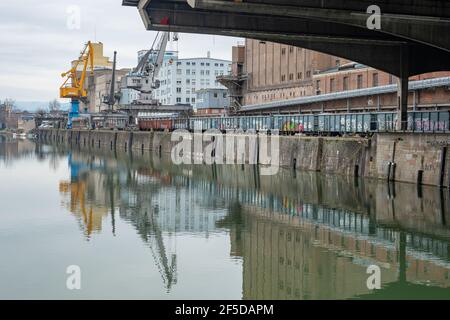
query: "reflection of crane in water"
78, 187
77, 191
168, 270
148, 184
143, 185
147, 224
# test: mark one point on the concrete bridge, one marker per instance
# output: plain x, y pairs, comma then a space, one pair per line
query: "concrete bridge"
413, 37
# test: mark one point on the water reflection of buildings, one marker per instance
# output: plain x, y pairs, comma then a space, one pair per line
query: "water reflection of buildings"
149, 200
11, 149
295, 250
324, 255
303, 237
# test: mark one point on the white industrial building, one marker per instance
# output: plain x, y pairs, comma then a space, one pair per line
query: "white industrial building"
181, 78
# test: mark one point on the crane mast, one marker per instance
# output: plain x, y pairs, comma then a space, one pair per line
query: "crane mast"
73, 86
143, 77
110, 99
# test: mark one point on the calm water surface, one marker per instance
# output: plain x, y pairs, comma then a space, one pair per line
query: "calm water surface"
142, 228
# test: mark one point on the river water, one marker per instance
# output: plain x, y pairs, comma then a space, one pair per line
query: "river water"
138, 227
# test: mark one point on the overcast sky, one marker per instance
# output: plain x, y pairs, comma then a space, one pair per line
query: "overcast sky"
36, 44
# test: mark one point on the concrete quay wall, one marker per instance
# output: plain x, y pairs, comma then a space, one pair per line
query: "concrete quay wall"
406, 157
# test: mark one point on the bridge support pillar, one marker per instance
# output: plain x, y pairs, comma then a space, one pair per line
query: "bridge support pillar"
402, 89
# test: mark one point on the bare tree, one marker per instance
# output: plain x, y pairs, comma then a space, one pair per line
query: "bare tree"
41, 112
54, 106
9, 104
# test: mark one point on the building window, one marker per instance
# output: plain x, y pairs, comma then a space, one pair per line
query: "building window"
188, 63
188, 72
291, 49
215, 94
202, 64
178, 100
178, 63
193, 100
207, 72
283, 78
391, 79
283, 51
179, 71
375, 79
178, 90
291, 76
207, 64
224, 94
359, 81
188, 100
332, 85
299, 75
216, 64
317, 86
308, 74
345, 83
188, 81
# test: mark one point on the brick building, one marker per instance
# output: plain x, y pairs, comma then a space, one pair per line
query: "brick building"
276, 71
264, 72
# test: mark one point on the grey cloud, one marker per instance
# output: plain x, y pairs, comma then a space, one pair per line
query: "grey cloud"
36, 46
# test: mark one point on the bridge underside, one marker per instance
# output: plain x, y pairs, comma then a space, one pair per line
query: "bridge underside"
414, 32
413, 38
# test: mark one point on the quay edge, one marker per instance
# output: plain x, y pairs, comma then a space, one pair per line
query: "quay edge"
405, 157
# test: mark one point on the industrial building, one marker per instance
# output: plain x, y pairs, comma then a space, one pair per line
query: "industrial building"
211, 101
99, 87
180, 79
100, 60
282, 78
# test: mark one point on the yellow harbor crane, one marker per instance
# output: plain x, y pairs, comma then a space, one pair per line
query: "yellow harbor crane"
73, 86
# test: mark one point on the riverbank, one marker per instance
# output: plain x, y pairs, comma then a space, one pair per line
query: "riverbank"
405, 157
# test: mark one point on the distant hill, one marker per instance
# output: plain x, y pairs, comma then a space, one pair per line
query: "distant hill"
33, 106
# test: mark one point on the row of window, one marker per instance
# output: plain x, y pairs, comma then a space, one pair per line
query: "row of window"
278, 95
346, 81
189, 82
179, 90
207, 64
193, 72
188, 100
299, 76
291, 50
